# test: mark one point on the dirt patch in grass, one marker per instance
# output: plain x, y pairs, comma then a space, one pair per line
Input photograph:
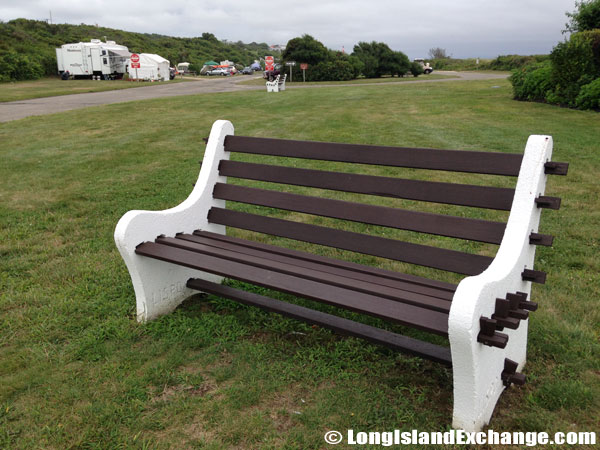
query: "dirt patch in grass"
181, 389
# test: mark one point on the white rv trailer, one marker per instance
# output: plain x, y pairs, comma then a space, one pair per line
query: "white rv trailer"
106, 60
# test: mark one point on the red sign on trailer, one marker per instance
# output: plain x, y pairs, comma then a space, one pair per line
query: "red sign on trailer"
135, 61
269, 63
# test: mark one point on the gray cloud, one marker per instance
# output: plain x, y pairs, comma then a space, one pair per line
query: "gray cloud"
465, 28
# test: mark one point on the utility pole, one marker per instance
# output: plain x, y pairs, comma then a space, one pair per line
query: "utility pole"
50, 17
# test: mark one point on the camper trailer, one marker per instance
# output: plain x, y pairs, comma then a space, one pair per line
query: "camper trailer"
183, 67
152, 68
94, 59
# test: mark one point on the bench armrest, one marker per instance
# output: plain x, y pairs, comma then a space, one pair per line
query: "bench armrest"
154, 297
476, 367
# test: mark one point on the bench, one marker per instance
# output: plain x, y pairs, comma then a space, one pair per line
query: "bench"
281, 84
273, 86
175, 253
278, 84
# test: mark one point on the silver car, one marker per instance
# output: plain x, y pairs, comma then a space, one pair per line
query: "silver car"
219, 71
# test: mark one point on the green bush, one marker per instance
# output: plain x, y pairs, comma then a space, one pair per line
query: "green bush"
18, 67
357, 65
416, 69
532, 82
455, 64
379, 59
337, 70
575, 63
589, 96
511, 62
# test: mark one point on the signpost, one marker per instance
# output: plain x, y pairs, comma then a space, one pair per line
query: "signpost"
269, 63
304, 66
135, 63
291, 64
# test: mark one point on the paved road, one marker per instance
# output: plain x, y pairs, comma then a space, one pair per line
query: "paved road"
48, 105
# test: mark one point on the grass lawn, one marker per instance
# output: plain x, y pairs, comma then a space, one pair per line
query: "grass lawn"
298, 80
78, 371
49, 87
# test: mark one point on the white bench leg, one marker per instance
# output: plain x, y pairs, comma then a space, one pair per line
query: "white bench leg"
476, 367
160, 286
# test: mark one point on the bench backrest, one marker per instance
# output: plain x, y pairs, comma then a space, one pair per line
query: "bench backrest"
452, 226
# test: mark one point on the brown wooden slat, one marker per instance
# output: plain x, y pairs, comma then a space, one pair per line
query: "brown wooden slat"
438, 224
338, 324
535, 276
488, 334
412, 316
548, 202
327, 267
541, 239
422, 158
438, 258
556, 168
428, 191
381, 274
311, 273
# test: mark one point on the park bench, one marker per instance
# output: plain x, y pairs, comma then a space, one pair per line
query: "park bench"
281, 84
273, 86
174, 253
278, 84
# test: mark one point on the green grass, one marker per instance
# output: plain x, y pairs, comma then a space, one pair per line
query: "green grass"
298, 80
48, 87
77, 370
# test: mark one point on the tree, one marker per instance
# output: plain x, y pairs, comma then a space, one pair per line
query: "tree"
585, 17
438, 53
378, 59
305, 49
209, 37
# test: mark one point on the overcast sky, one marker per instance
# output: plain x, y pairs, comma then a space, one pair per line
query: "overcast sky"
465, 28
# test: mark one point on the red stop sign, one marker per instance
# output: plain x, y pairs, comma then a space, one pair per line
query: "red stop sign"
135, 58
269, 63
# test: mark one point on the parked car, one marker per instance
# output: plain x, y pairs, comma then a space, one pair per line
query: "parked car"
219, 71
247, 71
270, 75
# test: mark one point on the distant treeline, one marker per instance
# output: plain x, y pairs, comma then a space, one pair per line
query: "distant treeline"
27, 47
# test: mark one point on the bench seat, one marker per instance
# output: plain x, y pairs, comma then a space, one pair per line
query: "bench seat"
408, 300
